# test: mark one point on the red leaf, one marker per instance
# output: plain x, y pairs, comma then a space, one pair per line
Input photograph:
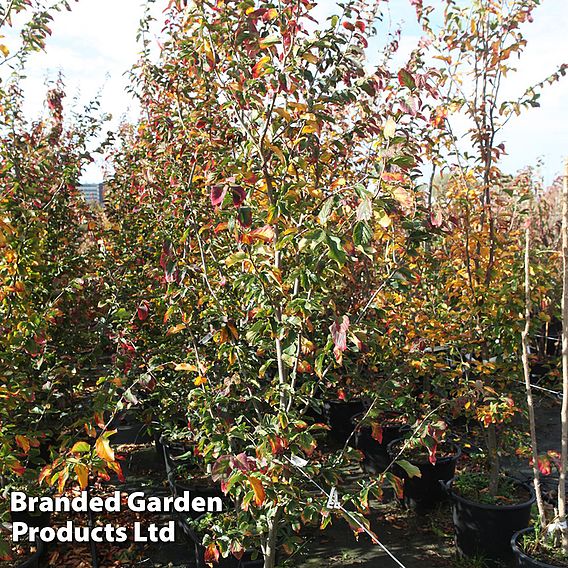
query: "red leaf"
143, 311
239, 195
377, 432
217, 195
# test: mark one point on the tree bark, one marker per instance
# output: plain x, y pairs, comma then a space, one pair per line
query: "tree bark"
271, 541
527, 374
564, 412
494, 462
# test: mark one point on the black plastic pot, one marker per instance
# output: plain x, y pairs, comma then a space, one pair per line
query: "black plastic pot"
486, 530
376, 453
521, 559
426, 492
34, 561
339, 414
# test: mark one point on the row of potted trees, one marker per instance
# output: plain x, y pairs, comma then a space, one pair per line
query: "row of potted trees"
281, 296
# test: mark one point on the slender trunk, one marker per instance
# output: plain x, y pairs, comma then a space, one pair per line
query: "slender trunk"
271, 541
494, 464
564, 415
526, 371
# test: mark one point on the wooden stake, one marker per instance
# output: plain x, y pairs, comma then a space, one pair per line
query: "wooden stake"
527, 374
564, 412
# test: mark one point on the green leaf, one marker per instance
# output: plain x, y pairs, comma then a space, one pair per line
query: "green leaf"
409, 468
406, 79
362, 234
336, 251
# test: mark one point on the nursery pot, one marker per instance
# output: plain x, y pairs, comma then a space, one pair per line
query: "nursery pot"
522, 560
425, 492
486, 530
339, 414
376, 453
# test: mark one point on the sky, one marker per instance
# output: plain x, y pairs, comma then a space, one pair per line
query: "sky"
94, 46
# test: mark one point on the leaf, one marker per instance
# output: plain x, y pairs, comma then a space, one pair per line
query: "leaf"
362, 234
186, 367
80, 448
235, 258
389, 129
339, 337
104, 451
410, 469
260, 67
269, 41
325, 211
82, 475
365, 209
384, 220
217, 194
265, 234
244, 217
5, 51
239, 195
23, 442
336, 251
259, 493
211, 554
143, 311
406, 79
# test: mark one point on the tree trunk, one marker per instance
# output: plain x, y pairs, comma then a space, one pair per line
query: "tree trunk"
564, 415
271, 541
527, 374
494, 465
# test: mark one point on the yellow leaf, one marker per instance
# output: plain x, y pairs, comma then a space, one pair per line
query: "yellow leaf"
82, 475
200, 380
176, 329
390, 128
311, 127
271, 14
4, 50
384, 220
185, 367
104, 451
259, 493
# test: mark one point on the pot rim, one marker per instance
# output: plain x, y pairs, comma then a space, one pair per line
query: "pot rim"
489, 507
517, 550
456, 456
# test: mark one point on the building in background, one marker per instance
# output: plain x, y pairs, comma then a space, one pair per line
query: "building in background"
93, 192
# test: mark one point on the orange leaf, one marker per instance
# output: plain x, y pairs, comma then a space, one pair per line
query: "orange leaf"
259, 68
259, 493
23, 442
104, 451
211, 554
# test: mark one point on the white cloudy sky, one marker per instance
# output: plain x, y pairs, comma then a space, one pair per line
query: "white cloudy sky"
94, 45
